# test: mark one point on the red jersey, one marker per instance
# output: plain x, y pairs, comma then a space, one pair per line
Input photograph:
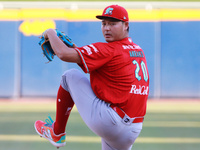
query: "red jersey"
118, 74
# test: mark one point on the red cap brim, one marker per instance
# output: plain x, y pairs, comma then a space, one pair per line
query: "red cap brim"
107, 17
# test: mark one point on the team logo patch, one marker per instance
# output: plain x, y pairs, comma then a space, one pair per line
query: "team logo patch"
109, 11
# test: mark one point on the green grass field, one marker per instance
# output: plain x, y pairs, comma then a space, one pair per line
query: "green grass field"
168, 125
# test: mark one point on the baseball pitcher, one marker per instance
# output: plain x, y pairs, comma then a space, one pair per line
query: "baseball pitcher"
113, 102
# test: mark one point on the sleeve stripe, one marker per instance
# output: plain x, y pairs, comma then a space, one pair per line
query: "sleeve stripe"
83, 60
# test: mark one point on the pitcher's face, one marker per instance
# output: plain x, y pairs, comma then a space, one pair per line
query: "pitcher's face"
114, 30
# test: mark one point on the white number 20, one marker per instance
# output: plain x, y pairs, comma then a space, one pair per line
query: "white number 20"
144, 70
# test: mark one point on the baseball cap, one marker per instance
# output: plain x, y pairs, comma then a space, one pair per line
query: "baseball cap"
114, 11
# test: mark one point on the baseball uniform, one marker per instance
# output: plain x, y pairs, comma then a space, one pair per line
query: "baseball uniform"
118, 76
113, 102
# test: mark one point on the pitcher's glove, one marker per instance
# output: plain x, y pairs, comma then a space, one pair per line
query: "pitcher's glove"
46, 46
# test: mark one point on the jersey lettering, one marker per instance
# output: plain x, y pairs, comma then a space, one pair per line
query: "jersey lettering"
95, 50
136, 54
144, 71
137, 70
88, 50
141, 90
131, 47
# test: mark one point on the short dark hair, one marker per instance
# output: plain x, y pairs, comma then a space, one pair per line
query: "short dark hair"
112, 19
127, 28
115, 20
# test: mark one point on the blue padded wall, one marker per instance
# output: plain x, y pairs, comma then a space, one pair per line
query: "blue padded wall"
9, 38
180, 59
172, 50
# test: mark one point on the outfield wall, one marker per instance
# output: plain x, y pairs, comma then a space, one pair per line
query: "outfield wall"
170, 39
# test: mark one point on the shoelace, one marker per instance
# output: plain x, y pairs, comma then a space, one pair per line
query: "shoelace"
49, 121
